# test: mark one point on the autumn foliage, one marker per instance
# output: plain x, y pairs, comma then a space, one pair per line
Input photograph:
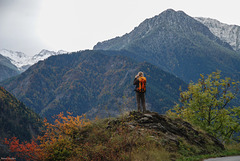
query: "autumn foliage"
29, 151
77, 138
56, 141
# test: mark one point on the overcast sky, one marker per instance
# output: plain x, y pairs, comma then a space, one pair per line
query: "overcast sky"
32, 25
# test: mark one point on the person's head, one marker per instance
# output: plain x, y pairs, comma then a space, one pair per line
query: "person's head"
140, 74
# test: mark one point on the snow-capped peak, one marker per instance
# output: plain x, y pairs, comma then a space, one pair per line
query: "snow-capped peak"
227, 33
12, 54
19, 59
61, 52
22, 61
44, 54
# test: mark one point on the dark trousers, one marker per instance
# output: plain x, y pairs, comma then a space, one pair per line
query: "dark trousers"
141, 101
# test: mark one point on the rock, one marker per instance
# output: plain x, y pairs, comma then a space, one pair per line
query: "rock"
173, 134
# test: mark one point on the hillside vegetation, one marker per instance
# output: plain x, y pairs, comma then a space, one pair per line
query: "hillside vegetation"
146, 136
93, 82
7, 69
16, 120
208, 104
133, 136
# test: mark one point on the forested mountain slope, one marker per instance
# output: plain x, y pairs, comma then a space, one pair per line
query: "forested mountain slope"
16, 119
97, 82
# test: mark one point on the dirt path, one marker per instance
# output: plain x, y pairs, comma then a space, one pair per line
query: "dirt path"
233, 158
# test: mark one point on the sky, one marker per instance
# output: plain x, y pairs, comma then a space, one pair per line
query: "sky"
29, 26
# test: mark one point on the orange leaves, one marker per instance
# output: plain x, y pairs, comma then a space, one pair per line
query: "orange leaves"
63, 126
58, 138
56, 141
28, 151
70, 138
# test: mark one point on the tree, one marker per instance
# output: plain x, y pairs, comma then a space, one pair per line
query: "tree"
56, 143
27, 150
207, 104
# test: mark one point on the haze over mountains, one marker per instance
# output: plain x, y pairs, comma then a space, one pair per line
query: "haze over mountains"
171, 48
99, 81
226, 33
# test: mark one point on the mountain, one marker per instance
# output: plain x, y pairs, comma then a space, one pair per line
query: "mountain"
7, 69
44, 54
97, 82
19, 59
179, 44
16, 119
227, 33
23, 61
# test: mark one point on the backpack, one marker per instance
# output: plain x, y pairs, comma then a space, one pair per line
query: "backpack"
142, 84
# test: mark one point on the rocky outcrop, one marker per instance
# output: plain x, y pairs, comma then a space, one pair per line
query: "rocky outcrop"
173, 134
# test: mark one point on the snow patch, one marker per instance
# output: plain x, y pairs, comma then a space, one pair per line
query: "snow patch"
23, 61
227, 33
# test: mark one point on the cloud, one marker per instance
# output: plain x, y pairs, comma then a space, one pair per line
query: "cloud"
18, 26
32, 25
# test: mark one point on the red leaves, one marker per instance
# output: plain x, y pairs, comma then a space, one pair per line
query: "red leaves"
28, 151
56, 136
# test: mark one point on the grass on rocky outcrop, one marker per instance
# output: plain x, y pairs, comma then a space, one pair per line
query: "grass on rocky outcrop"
113, 139
127, 140
131, 137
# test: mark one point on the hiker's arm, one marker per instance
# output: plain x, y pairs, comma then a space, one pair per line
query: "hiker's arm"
135, 82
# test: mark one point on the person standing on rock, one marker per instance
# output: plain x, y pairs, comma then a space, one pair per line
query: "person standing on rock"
140, 82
